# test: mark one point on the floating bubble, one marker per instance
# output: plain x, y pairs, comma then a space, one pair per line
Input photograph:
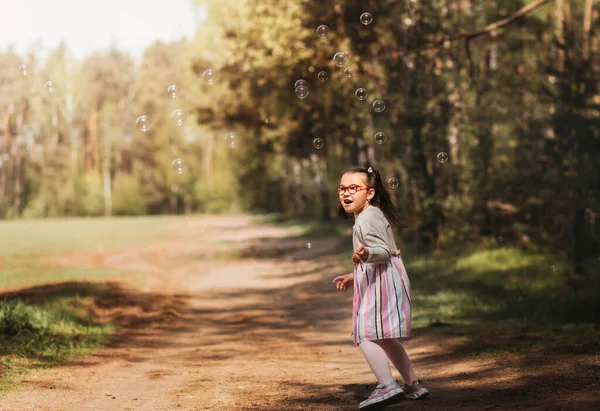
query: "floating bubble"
49, 86
361, 94
553, 267
143, 123
23, 69
393, 182
178, 165
172, 91
302, 92
500, 239
209, 77
179, 116
380, 137
366, 18
318, 143
341, 58
308, 245
323, 76
230, 139
266, 120
378, 106
323, 31
442, 157
300, 82
348, 72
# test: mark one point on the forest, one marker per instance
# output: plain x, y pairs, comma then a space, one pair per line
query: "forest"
482, 116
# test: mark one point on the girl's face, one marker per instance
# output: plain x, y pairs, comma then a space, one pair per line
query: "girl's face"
356, 202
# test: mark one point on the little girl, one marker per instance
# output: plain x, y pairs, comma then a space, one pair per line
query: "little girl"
381, 308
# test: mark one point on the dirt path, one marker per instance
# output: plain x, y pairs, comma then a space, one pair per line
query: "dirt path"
204, 333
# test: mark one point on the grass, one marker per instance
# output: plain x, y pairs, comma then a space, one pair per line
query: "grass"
51, 236
36, 334
24, 244
498, 299
502, 286
33, 335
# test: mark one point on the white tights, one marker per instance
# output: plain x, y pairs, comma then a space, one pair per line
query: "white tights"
377, 354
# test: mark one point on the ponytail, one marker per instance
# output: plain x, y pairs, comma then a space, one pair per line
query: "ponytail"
381, 198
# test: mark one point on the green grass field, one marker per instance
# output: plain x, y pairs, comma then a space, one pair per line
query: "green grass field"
34, 334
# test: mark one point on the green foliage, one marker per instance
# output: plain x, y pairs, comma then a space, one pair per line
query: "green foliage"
90, 196
128, 197
516, 109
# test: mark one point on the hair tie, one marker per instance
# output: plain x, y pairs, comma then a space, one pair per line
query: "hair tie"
369, 170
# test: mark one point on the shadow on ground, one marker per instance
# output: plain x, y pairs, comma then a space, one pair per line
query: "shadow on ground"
313, 306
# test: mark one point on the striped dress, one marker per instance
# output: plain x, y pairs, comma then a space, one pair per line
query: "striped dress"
381, 306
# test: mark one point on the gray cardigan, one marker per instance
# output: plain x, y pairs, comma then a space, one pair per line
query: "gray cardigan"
373, 231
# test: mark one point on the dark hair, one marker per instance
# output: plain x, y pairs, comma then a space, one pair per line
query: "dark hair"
381, 198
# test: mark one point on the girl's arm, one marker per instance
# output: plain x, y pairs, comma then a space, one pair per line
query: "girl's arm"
374, 234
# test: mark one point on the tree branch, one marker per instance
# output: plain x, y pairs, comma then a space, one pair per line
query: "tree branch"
501, 23
489, 29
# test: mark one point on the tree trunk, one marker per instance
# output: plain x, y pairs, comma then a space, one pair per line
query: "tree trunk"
18, 200
106, 169
430, 229
5, 149
587, 24
91, 148
72, 137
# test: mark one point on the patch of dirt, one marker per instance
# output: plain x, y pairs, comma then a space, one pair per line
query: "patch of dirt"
213, 327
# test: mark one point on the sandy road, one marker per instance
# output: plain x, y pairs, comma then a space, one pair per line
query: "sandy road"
205, 331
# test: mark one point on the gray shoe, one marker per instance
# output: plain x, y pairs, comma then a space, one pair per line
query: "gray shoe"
415, 391
382, 396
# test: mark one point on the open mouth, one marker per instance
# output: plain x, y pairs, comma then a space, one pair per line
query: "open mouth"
347, 201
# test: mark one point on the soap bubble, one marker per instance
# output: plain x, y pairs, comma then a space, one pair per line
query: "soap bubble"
178, 165
366, 18
209, 77
49, 86
302, 92
172, 91
380, 137
348, 72
323, 76
230, 139
553, 267
143, 123
442, 157
323, 31
300, 82
378, 106
179, 116
341, 58
500, 239
308, 245
318, 143
23, 69
361, 94
393, 182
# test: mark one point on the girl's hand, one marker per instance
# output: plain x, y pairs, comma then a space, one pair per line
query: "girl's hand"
343, 281
361, 254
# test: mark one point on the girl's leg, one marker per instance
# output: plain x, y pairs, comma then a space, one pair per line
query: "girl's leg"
398, 356
378, 361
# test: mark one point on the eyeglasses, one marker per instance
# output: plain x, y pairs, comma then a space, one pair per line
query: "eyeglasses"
352, 189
